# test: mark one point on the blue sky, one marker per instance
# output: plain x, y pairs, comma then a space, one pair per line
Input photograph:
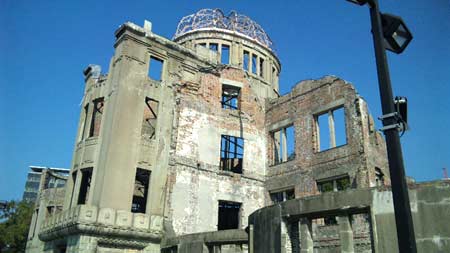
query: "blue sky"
44, 46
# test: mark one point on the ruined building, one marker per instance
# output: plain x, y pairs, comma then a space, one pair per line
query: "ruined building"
191, 135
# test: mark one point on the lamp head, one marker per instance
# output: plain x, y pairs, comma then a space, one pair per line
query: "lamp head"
396, 35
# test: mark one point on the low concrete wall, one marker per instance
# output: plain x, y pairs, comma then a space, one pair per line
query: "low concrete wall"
225, 241
430, 206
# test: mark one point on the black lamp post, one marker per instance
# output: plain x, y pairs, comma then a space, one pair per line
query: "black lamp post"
390, 32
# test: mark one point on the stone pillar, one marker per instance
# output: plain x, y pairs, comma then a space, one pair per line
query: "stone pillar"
331, 128
284, 140
251, 239
345, 233
306, 241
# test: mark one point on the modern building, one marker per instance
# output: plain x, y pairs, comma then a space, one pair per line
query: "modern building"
184, 139
34, 178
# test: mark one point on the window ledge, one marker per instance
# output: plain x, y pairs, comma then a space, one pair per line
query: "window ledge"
330, 149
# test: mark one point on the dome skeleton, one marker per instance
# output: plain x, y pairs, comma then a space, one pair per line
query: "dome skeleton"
214, 18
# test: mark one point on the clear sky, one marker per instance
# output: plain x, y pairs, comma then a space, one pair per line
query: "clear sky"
44, 46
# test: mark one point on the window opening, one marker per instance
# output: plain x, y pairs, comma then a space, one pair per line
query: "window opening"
231, 153
336, 184
230, 97
225, 54
330, 129
202, 44
254, 64
214, 47
86, 176
155, 68
246, 60
140, 194
229, 213
284, 144
379, 177
83, 127
96, 117
281, 196
150, 118
261, 67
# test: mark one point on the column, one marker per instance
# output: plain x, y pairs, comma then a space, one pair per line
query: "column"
345, 234
306, 241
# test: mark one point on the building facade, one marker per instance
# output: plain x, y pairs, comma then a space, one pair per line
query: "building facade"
34, 178
191, 135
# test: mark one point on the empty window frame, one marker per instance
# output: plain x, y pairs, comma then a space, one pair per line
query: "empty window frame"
155, 68
229, 215
231, 153
379, 177
281, 196
261, 67
254, 63
140, 194
96, 119
246, 60
335, 184
84, 123
284, 144
225, 54
150, 118
214, 47
331, 129
230, 97
86, 177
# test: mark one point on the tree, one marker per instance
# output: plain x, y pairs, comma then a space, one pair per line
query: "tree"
15, 219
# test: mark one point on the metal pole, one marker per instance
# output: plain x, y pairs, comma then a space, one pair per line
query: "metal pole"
403, 218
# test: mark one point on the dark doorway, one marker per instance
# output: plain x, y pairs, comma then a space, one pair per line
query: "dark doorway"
229, 213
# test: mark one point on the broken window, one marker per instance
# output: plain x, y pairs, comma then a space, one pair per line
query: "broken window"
231, 153
140, 194
246, 60
84, 123
229, 213
150, 118
284, 144
379, 176
155, 68
86, 176
214, 47
254, 64
336, 184
331, 129
261, 67
225, 54
230, 97
96, 119
281, 196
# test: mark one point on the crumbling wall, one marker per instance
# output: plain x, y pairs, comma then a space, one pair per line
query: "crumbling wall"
301, 107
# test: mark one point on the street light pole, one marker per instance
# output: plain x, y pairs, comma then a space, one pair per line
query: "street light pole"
403, 218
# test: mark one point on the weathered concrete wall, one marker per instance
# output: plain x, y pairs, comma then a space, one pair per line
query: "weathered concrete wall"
371, 228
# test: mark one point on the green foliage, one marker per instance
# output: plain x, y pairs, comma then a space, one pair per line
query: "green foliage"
15, 219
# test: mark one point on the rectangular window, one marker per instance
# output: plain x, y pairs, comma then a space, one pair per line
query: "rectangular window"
331, 129
246, 60
336, 184
84, 123
261, 67
214, 47
230, 97
284, 144
150, 118
281, 196
379, 176
96, 119
231, 153
254, 58
229, 213
202, 44
155, 68
86, 176
225, 54
140, 194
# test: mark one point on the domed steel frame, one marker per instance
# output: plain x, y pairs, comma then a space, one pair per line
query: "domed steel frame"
214, 18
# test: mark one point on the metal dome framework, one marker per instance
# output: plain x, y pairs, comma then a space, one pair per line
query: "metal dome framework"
214, 18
